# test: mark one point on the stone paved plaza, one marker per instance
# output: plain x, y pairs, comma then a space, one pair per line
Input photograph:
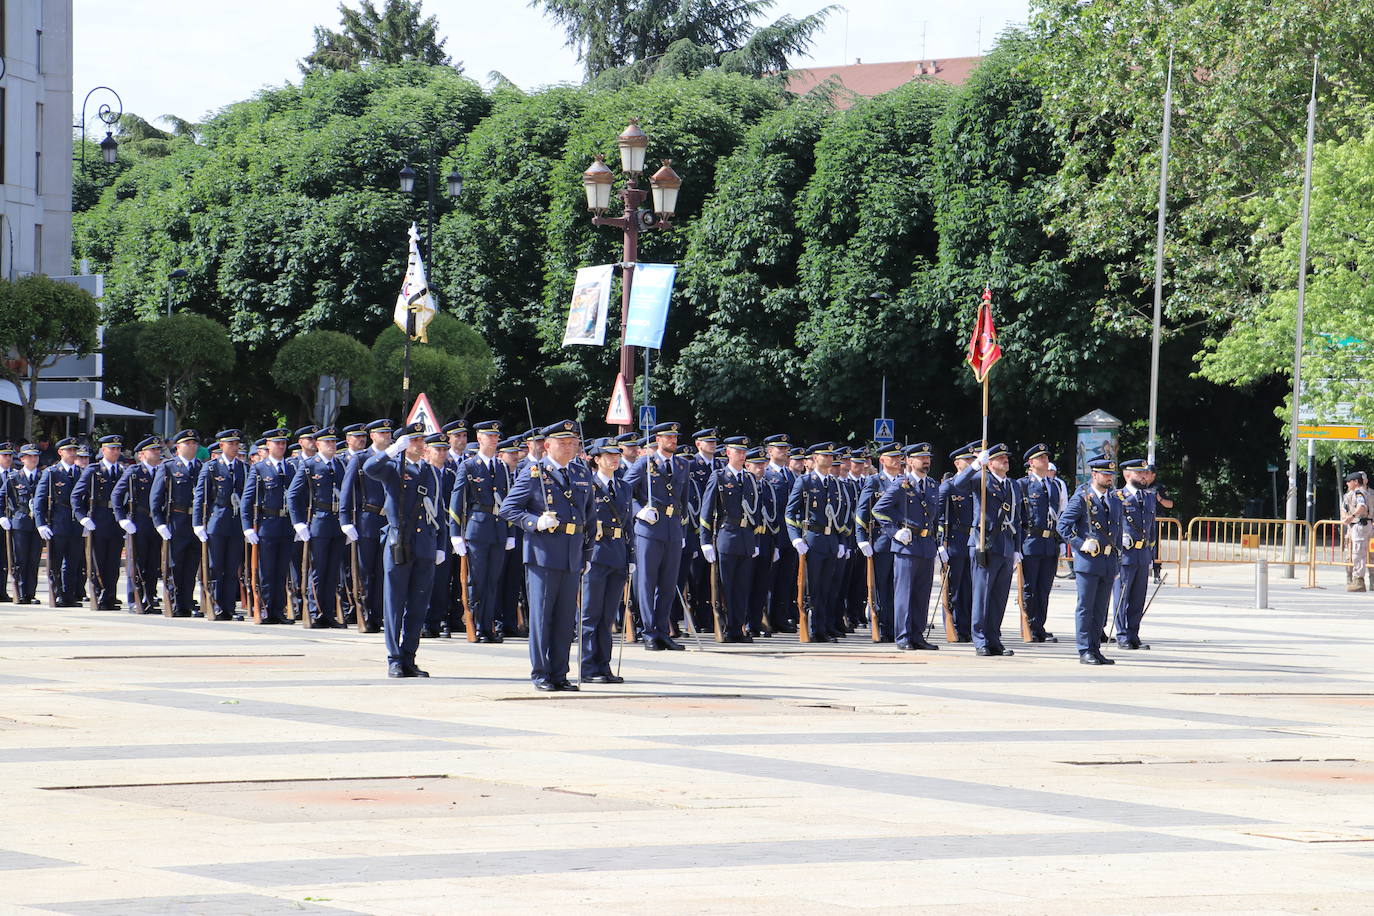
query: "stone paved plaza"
183, 766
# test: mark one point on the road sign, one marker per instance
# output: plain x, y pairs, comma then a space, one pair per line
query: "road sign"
423, 413
1336, 433
648, 416
621, 411
883, 430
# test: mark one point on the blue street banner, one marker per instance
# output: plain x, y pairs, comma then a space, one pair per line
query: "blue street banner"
649, 292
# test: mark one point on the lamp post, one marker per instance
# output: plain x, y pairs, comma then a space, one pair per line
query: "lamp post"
664, 186
454, 180
172, 278
109, 116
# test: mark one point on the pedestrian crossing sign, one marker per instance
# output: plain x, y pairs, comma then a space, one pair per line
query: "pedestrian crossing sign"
619, 413
421, 412
883, 430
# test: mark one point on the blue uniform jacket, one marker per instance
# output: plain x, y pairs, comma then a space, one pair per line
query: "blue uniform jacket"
913, 504
264, 500
541, 488
866, 530
174, 487
1039, 513
611, 543
670, 488
730, 512
956, 513
1138, 535
218, 497
1001, 515
16, 496
477, 495
414, 502
1090, 516
92, 496
312, 497
133, 496
362, 499
52, 501
816, 511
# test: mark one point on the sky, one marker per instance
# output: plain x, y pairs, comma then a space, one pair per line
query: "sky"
192, 57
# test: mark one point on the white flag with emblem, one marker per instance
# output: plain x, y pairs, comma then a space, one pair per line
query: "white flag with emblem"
415, 295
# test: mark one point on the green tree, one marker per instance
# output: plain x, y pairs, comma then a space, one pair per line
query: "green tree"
304, 360
451, 369
189, 351
397, 33
42, 319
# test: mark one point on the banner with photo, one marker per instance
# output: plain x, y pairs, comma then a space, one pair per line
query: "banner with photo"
587, 313
649, 293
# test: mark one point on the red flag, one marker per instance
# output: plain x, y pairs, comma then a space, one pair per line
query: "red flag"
983, 350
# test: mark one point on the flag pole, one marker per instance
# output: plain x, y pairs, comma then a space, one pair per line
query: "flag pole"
983, 500
1159, 259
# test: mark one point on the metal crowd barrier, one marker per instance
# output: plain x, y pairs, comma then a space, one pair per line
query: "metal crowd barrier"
1169, 545
1246, 540
1330, 548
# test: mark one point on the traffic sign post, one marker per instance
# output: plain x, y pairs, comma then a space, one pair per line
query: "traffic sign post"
620, 411
1336, 433
884, 430
648, 416
421, 412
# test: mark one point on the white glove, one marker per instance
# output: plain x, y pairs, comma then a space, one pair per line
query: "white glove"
398, 446
4, 523
165, 532
800, 544
45, 532
546, 523
943, 554
200, 532
842, 552
647, 514
250, 535
708, 552
1090, 547
777, 554
128, 525
302, 531
586, 567
632, 569
866, 548
349, 532
756, 551
88, 523
1016, 559
510, 543
980, 459
460, 546
903, 536
439, 557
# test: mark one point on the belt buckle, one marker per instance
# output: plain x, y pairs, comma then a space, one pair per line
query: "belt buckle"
759, 529
615, 532
925, 532
668, 510
570, 528
1107, 551
1139, 545
827, 530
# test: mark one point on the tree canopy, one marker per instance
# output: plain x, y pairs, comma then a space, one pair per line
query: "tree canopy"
397, 33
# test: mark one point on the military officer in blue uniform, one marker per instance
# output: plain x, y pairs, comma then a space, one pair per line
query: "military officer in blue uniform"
511, 591
456, 432
477, 531
956, 509
659, 483
216, 507
694, 574
267, 526
91, 506
173, 492
362, 520
412, 545
872, 541
603, 585
1091, 523
132, 501
17, 491
730, 520
1139, 505
856, 564
1041, 503
997, 528
52, 511
444, 615
768, 533
782, 591
551, 502
355, 442
815, 524
909, 514
6, 542
312, 502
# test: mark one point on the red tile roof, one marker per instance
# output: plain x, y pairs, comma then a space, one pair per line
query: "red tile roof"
874, 79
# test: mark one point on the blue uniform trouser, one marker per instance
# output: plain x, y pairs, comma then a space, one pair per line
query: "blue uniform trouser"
406, 603
66, 561
226, 560
782, 611
911, 581
603, 587
883, 598
760, 584
148, 562
183, 562
1090, 614
326, 555
511, 588
6, 549
274, 558
1037, 573
856, 587
822, 571
991, 584
1129, 597
27, 545
105, 551
370, 578
553, 614
694, 577
440, 593
960, 592
656, 571
736, 580
484, 567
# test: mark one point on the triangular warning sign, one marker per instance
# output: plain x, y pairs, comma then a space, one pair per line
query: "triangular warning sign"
621, 411
423, 413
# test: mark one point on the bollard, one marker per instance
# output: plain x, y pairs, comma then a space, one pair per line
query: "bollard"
1261, 583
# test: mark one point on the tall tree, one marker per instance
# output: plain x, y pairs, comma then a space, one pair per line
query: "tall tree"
190, 351
41, 320
305, 361
397, 33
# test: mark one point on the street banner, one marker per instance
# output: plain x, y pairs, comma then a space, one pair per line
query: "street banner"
415, 295
649, 292
587, 314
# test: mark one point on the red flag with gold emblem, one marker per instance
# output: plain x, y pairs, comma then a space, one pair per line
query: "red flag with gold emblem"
983, 350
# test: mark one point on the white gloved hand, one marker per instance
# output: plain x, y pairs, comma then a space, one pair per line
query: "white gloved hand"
632, 569
250, 535
349, 532
866, 548
777, 554
943, 554
647, 514
708, 552
1016, 558
88, 523
460, 546
903, 536
200, 532
1090, 547
800, 544
4, 523
398, 446
164, 532
128, 525
842, 552
510, 543
586, 567
439, 557
546, 523
302, 531
45, 532
756, 551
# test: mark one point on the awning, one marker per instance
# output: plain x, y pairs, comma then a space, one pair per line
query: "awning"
71, 407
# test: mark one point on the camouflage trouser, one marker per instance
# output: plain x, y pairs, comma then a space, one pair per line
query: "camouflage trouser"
1359, 548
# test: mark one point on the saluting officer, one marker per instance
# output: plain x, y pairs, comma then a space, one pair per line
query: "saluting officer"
132, 499
729, 536
1138, 537
956, 509
17, 493
267, 525
477, 531
362, 520
659, 482
782, 590
551, 501
603, 585
174, 487
91, 505
216, 507
312, 500
1041, 503
1092, 524
996, 522
872, 539
814, 526
768, 535
52, 511
909, 514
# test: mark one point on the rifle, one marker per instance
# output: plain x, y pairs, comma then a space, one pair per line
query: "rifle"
803, 620
687, 620
359, 599
9, 558
1021, 601
872, 605
169, 588
92, 574
134, 573
307, 588
253, 581
951, 634
469, 624
717, 610
628, 634
209, 607
52, 580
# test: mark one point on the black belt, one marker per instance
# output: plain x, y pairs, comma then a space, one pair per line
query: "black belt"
184, 510
100, 504
325, 507
374, 509
275, 513
490, 510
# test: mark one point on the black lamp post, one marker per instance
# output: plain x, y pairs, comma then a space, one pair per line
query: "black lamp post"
109, 147
665, 184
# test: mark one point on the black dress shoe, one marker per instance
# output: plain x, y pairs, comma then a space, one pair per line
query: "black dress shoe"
412, 671
445, 632
427, 633
264, 621
905, 644
984, 650
745, 637
1088, 658
1103, 660
1003, 650
565, 684
223, 616
396, 671
371, 628
920, 643
1137, 644
1050, 637
181, 613
604, 679
496, 638
546, 686
667, 643
653, 645
1125, 645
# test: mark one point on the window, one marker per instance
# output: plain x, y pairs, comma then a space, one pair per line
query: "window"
38, 149
38, 52
38, 248
3, 131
